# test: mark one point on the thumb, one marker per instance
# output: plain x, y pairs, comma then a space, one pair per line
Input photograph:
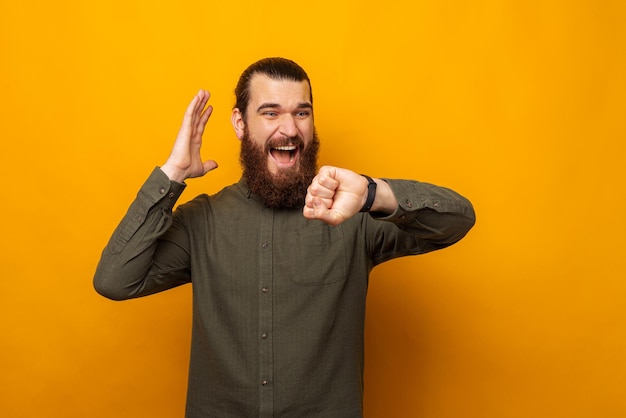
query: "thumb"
209, 165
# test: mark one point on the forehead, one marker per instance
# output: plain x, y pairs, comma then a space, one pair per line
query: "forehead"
285, 93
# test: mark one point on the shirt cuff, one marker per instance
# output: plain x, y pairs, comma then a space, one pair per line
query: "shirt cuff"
414, 196
159, 187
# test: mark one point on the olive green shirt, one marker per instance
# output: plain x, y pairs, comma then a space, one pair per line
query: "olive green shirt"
278, 300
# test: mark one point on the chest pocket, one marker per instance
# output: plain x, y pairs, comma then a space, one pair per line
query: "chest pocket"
313, 254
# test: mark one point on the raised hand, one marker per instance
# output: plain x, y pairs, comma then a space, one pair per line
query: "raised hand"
185, 160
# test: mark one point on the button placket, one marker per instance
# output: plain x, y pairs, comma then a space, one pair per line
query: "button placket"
265, 282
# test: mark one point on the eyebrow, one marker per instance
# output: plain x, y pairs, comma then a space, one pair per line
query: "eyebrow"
302, 105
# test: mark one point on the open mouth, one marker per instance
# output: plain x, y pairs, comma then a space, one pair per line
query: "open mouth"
284, 155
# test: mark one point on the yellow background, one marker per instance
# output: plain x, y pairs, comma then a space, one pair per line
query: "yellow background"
519, 105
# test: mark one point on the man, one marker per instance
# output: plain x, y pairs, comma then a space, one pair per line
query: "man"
279, 262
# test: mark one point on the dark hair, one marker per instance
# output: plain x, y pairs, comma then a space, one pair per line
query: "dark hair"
276, 69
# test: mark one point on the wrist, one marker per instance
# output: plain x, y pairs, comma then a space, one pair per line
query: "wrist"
173, 173
385, 201
371, 194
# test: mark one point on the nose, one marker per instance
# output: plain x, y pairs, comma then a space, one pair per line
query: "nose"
288, 126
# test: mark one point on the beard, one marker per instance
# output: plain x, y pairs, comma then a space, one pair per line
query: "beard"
286, 188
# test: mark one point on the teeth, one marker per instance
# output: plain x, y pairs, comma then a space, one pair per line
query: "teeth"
286, 148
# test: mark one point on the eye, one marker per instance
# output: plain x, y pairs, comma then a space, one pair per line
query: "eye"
270, 113
303, 114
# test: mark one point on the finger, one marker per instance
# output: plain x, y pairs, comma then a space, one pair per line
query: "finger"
204, 118
327, 180
186, 125
201, 114
328, 170
327, 217
189, 117
209, 165
314, 207
309, 201
193, 105
318, 188
309, 207
320, 208
203, 100
322, 211
308, 212
321, 202
194, 110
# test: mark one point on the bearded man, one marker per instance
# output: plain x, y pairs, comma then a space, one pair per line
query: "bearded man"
279, 262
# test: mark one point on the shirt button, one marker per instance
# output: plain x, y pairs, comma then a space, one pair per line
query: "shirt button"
264, 336
162, 190
265, 382
265, 244
171, 195
265, 290
409, 204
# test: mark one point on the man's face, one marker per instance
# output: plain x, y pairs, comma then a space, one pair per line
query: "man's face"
279, 120
279, 145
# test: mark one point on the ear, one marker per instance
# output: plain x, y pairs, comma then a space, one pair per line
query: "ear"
238, 124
